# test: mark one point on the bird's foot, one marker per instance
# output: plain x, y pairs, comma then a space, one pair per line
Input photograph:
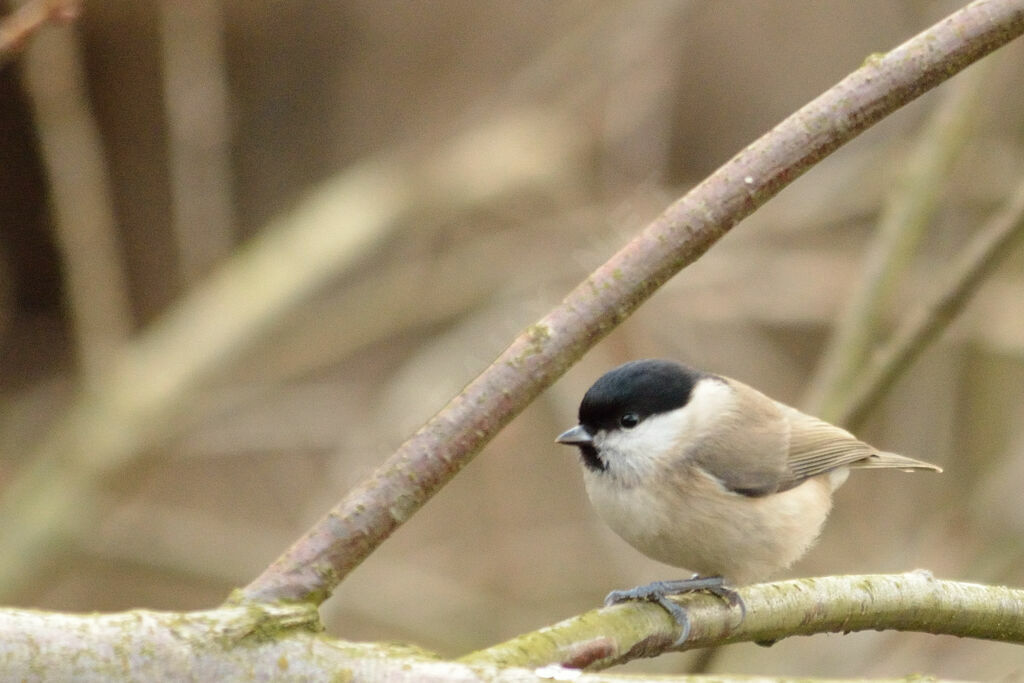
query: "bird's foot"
657, 592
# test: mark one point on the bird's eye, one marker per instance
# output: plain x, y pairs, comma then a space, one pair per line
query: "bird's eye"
629, 420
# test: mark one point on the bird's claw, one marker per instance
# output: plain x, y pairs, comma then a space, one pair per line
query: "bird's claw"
658, 591
731, 598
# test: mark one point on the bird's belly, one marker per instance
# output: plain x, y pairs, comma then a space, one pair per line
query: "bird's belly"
703, 527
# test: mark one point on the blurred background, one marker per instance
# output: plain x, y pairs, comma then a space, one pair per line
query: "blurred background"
246, 248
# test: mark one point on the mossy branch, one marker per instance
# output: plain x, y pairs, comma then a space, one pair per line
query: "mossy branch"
286, 642
915, 601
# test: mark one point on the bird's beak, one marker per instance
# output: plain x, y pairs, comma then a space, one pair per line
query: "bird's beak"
577, 436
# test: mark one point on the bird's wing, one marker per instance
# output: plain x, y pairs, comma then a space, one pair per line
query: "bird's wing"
762, 446
816, 447
747, 450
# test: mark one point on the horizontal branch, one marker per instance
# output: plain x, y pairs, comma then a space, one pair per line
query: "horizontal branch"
915, 601
265, 642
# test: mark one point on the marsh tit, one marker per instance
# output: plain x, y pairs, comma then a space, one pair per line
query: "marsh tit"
704, 472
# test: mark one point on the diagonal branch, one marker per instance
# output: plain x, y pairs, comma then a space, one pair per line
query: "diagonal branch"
979, 258
915, 601
904, 220
151, 385
347, 534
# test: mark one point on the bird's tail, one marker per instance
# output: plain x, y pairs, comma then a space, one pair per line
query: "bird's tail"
886, 460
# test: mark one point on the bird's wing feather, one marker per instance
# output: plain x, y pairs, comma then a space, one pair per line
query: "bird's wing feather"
885, 459
816, 447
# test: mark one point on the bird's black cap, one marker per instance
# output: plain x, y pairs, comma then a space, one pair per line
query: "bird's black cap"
643, 387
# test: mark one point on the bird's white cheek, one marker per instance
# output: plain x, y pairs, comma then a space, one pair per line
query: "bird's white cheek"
646, 452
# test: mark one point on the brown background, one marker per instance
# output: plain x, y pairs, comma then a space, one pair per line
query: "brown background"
643, 99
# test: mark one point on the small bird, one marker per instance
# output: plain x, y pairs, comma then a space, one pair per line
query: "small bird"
701, 471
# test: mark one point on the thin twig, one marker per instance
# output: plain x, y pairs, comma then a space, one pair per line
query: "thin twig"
81, 200
195, 81
348, 533
21, 24
981, 256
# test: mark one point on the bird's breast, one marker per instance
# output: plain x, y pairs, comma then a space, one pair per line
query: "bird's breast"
688, 519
